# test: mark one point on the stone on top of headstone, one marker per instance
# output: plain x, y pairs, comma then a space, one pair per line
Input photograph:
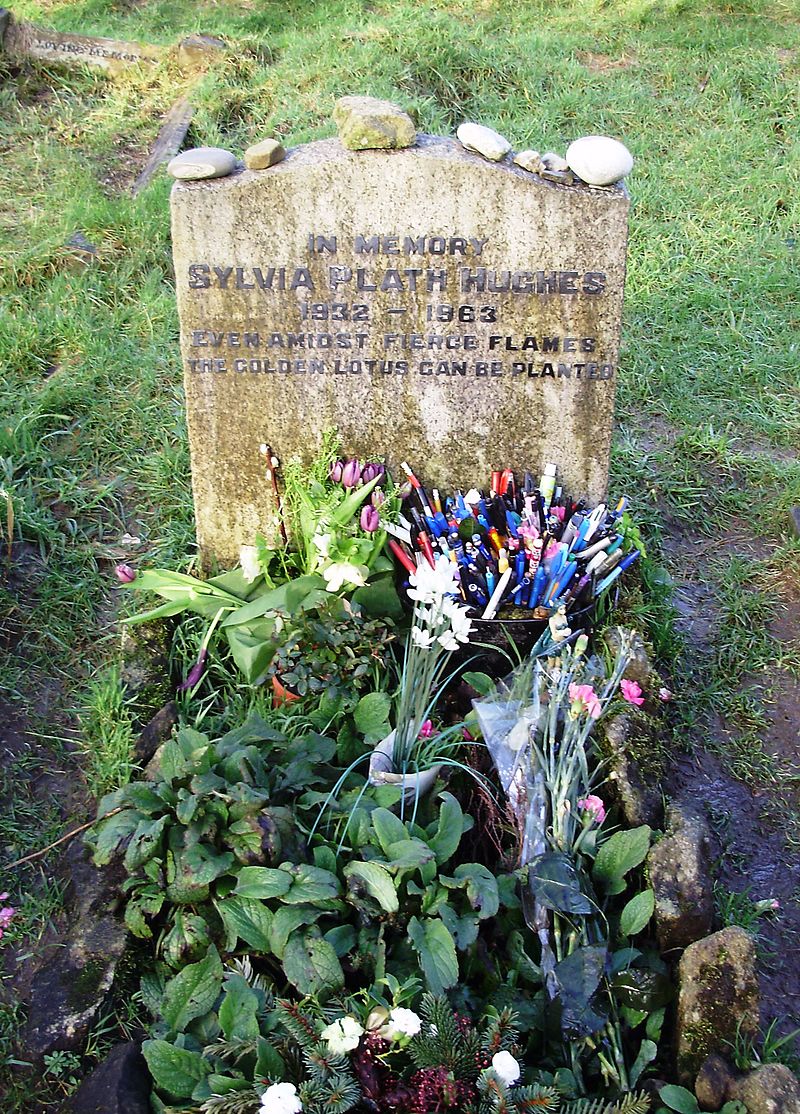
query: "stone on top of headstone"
553, 161
599, 160
378, 292
483, 141
528, 160
366, 123
264, 154
202, 162
198, 51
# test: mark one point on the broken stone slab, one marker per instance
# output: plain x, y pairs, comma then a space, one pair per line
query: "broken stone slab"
112, 55
197, 52
119, 1085
717, 998
168, 142
264, 154
366, 123
70, 988
145, 671
528, 160
770, 1089
625, 736
5, 19
679, 867
795, 515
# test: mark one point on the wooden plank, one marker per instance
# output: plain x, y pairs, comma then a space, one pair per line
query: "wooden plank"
168, 142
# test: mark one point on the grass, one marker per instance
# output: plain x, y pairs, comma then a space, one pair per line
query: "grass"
92, 437
107, 735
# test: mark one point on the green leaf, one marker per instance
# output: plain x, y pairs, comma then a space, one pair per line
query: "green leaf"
310, 884
193, 991
245, 919
144, 842
481, 682
637, 913
238, 1010
252, 649
554, 882
372, 713
640, 988
111, 833
388, 828
311, 964
648, 1050
378, 882
449, 830
619, 854
407, 854
342, 939
175, 1070
284, 923
678, 1098
481, 888
464, 930
261, 882
437, 953
578, 977
269, 1065
378, 597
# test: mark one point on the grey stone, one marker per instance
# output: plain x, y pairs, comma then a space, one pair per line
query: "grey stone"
770, 1089
717, 998
119, 1085
638, 796
484, 141
366, 123
156, 732
679, 867
196, 52
264, 154
202, 162
639, 668
553, 161
599, 160
5, 19
69, 989
78, 253
528, 160
362, 249
714, 1082
795, 516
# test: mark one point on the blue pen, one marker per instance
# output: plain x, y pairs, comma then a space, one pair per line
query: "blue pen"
538, 585
462, 510
512, 521
519, 566
480, 597
607, 581
491, 583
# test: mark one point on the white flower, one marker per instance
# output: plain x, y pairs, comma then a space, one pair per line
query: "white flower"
459, 621
343, 572
401, 1023
321, 542
343, 1035
281, 1098
447, 640
248, 559
422, 638
429, 584
505, 1067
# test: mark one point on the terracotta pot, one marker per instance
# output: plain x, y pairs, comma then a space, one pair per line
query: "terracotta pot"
280, 694
382, 771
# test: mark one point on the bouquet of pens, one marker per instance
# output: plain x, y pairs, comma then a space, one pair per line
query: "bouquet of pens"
530, 550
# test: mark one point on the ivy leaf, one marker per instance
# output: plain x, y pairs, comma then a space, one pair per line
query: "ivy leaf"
239, 1009
619, 854
481, 888
175, 1070
437, 953
193, 991
245, 919
261, 882
637, 913
311, 964
378, 882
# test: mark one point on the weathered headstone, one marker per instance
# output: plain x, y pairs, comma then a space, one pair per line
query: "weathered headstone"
435, 307
27, 40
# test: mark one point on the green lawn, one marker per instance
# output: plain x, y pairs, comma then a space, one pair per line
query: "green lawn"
92, 438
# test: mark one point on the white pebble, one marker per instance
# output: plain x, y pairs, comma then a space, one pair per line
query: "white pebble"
490, 144
552, 161
599, 160
202, 162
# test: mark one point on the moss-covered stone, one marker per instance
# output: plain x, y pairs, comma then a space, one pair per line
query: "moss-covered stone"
145, 665
632, 743
770, 1089
717, 997
366, 123
679, 867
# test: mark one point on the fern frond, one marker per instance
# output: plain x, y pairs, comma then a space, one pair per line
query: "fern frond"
442, 1043
235, 1102
536, 1098
336, 1096
634, 1103
297, 1024
322, 1064
232, 1050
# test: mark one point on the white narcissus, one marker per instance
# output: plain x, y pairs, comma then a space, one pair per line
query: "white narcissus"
248, 559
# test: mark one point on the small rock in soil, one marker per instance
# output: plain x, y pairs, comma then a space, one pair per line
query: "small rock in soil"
366, 123
680, 874
770, 1089
553, 161
195, 52
484, 141
717, 997
714, 1082
795, 513
157, 731
120, 1085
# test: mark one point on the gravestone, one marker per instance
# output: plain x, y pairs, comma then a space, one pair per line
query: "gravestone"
437, 308
26, 40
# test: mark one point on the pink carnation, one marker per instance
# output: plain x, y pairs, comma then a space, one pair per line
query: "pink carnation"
631, 692
427, 730
6, 915
594, 805
584, 700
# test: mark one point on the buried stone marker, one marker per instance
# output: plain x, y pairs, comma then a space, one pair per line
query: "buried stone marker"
433, 306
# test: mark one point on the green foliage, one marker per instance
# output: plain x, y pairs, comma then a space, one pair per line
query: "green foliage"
107, 735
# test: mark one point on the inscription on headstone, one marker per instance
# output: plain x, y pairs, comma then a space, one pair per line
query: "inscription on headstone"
59, 46
435, 307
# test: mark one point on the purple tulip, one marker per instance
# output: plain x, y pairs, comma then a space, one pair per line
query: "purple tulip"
126, 574
195, 673
335, 473
377, 498
404, 491
371, 470
351, 473
370, 519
